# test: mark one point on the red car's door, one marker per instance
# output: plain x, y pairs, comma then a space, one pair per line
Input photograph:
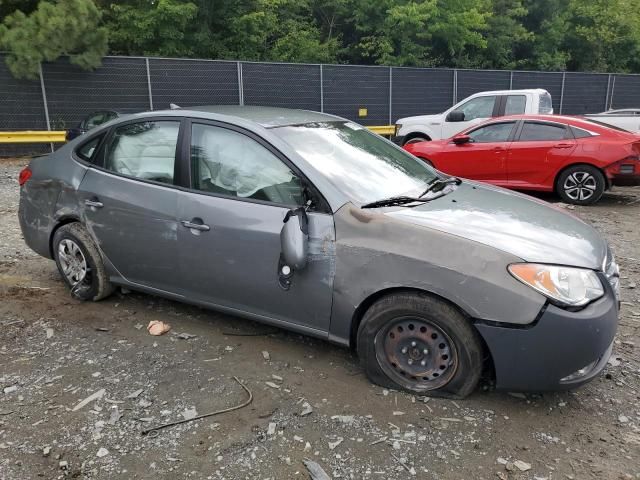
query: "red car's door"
539, 150
484, 157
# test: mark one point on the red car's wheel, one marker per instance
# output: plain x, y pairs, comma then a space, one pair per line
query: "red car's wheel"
581, 185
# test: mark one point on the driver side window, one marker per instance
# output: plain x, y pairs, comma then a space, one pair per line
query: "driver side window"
481, 107
495, 132
229, 163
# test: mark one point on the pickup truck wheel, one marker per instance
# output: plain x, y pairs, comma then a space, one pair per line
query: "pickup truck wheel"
416, 139
80, 263
581, 185
417, 343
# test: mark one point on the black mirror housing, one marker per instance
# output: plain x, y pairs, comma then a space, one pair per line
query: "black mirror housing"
455, 116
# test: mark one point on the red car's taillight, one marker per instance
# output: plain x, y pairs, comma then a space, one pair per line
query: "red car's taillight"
25, 174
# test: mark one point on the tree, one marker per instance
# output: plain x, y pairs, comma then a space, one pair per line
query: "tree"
152, 27
67, 27
505, 34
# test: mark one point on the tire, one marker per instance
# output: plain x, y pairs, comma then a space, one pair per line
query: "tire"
416, 139
452, 358
581, 185
74, 248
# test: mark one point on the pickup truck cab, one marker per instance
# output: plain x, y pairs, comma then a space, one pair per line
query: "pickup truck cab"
470, 111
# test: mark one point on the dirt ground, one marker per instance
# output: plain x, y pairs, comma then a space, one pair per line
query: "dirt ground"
56, 351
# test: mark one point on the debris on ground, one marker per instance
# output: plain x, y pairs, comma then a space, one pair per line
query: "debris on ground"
156, 327
315, 471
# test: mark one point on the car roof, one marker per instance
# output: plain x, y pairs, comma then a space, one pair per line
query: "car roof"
539, 91
575, 121
268, 117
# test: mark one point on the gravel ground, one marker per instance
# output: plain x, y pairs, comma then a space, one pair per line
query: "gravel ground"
310, 399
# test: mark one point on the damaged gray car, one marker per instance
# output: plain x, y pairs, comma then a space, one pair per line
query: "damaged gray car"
310, 222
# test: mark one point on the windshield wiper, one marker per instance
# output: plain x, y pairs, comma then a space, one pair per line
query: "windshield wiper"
393, 201
441, 183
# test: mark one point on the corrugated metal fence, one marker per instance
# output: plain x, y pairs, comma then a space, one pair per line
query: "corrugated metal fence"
64, 94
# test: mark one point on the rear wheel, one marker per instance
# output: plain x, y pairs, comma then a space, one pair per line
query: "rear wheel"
80, 263
581, 185
420, 344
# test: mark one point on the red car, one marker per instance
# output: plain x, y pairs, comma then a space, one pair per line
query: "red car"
576, 158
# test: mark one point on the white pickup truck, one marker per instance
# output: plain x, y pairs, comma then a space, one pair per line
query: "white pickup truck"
625, 118
474, 109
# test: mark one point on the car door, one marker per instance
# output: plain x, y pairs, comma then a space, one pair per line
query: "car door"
475, 111
129, 201
231, 219
483, 157
539, 150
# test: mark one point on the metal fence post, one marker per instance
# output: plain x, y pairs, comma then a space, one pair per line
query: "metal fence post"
390, 94
44, 101
240, 85
564, 74
606, 97
613, 89
511, 80
321, 89
455, 86
146, 60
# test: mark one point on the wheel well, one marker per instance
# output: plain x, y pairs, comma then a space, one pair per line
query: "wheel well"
411, 135
488, 367
555, 180
61, 222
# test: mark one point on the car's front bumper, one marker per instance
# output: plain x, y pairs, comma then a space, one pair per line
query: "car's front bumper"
549, 354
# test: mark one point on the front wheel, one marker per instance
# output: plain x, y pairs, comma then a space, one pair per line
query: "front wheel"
581, 185
80, 263
420, 344
416, 139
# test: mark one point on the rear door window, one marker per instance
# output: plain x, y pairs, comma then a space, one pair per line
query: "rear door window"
144, 150
495, 132
515, 105
533, 131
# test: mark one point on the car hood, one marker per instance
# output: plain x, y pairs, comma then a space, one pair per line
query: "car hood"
420, 119
518, 224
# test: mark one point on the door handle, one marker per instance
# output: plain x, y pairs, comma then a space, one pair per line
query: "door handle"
563, 145
195, 226
93, 204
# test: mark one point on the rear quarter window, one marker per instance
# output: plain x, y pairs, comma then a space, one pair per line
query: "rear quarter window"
88, 150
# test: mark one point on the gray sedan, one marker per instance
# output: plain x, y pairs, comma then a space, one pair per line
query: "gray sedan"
310, 222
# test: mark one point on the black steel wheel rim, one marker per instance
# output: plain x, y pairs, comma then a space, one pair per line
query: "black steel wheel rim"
416, 353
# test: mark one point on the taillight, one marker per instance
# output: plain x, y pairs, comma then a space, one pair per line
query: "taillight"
25, 174
636, 147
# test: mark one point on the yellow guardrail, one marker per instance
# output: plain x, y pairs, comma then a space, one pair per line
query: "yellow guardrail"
384, 129
40, 136
59, 136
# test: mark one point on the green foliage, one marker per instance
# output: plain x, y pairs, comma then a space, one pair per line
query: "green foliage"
602, 35
155, 28
66, 27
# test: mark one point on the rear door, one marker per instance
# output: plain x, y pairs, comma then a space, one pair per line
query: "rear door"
230, 223
130, 201
539, 149
483, 158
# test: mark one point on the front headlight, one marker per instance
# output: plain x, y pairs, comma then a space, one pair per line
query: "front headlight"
398, 127
567, 286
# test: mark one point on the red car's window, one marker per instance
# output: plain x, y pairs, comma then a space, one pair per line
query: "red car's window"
532, 132
494, 132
